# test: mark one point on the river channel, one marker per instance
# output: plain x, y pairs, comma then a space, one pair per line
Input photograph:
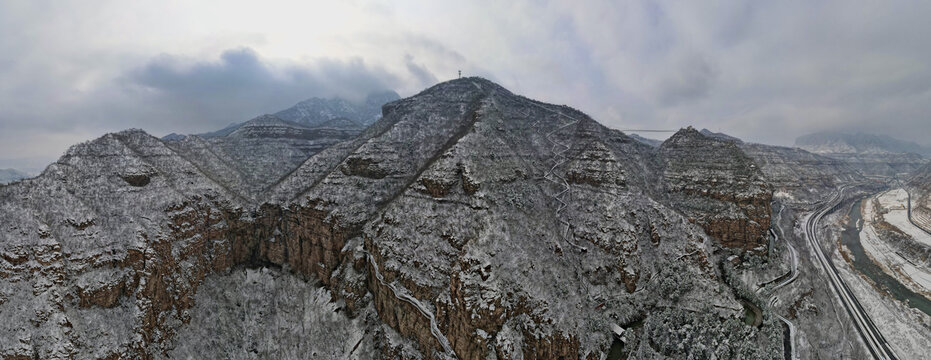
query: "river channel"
851, 239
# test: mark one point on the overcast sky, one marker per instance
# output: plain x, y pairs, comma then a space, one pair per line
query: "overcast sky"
765, 71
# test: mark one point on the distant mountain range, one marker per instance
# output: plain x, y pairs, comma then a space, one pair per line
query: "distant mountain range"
467, 222
316, 111
645, 140
10, 175
319, 112
873, 155
860, 143
720, 136
409, 226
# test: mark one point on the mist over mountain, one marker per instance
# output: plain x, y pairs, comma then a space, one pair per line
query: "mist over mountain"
861, 143
317, 112
314, 111
10, 175
872, 155
647, 141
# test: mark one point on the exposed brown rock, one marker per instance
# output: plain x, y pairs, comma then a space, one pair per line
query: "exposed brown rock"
719, 187
104, 296
363, 167
137, 180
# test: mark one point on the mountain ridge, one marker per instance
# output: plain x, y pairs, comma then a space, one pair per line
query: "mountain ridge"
426, 229
872, 155
841, 142
320, 112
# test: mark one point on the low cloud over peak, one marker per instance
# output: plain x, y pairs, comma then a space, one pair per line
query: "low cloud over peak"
241, 84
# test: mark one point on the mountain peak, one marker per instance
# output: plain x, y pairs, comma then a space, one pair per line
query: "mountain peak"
720, 136
316, 110
686, 134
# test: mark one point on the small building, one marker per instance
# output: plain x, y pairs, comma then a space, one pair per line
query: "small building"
618, 332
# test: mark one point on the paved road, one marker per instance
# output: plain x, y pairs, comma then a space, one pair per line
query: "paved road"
793, 254
873, 339
792, 351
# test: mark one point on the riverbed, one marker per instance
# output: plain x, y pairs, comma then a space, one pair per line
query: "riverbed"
850, 237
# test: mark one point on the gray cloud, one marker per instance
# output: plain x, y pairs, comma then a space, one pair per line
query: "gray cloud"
240, 84
424, 76
690, 80
763, 71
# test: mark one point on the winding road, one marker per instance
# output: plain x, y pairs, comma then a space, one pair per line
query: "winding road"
793, 271
874, 340
792, 253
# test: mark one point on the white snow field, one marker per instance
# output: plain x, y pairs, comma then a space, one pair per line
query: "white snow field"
896, 202
914, 276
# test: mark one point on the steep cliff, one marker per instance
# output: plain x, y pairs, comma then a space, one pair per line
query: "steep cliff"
718, 187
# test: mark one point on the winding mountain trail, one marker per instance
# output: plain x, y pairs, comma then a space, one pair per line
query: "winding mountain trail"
404, 296
558, 159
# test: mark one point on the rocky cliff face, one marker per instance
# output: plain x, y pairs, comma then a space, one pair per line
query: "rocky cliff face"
468, 222
718, 187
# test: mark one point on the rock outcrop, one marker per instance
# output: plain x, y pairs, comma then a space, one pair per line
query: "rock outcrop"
718, 187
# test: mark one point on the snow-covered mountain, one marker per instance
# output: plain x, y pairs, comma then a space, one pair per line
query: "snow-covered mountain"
444, 229
321, 112
645, 140
466, 222
860, 143
719, 136
919, 189
799, 176
258, 152
315, 111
